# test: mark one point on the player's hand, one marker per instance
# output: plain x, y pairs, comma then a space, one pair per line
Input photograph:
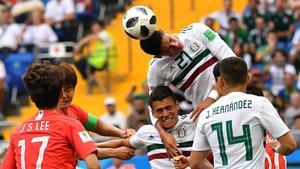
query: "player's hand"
76, 48
200, 107
181, 162
123, 153
129, 133
274, 144
170, 144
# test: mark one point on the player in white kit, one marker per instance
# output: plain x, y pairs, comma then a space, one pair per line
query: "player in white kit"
234, 126
165, 108
186, 61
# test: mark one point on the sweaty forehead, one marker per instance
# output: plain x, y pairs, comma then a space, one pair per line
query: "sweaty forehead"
163, 103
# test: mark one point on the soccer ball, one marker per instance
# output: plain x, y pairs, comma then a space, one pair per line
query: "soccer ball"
139, 22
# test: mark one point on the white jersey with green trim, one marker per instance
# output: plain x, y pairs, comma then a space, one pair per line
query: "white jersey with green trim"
191, 70
148, 136
234, 129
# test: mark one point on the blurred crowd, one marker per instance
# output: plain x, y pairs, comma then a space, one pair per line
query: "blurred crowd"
27, 26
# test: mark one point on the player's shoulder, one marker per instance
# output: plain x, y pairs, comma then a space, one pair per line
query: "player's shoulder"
69, 121
255, 98
76, 109
147, 128
147, 132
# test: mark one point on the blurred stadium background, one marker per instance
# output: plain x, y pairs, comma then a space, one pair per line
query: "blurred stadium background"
274, 60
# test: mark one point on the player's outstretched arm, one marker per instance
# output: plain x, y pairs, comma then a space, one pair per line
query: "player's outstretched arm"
198, 160
123, 153
169, 141
92, 161
106, 129
287, 144
115, 143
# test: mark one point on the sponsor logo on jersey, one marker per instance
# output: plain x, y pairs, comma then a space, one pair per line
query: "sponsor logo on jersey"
182, 132
194, 47
151, 137
172, 68
84, 136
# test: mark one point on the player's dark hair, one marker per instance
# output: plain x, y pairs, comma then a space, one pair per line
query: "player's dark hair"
152, 45
160, 93
234, 71
216, 70
253, 89
43, 82
70, 77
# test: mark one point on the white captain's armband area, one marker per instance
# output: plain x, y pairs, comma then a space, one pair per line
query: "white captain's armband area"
214, 95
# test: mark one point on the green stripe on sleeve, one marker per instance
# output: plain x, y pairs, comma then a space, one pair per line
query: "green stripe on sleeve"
91, 123
161, 146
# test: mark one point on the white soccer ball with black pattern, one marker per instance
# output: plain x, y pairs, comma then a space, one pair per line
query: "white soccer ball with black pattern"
139, 22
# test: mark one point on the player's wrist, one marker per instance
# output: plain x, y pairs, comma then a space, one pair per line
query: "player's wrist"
214, 95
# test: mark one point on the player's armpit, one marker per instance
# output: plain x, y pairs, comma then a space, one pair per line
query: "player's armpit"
92, 161
288, 144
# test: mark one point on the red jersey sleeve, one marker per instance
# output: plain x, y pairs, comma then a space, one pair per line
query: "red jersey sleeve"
9, 161
88, 120
80, 139
81, 114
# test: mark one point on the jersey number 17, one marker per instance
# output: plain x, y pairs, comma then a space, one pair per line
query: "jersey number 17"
245, 138
39, 161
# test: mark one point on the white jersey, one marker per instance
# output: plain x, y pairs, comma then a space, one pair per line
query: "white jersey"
148, 136
191, 70
234, 129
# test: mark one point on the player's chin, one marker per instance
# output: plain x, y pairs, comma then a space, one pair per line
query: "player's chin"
168, 123
65, 105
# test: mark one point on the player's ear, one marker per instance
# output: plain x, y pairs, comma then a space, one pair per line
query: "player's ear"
248, 80
153, 113
177, 105
221, 81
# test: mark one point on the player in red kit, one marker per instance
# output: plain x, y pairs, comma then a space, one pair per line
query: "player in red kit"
88, 120
50, 139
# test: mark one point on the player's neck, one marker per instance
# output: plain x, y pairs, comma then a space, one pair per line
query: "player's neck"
54, 110
235, 89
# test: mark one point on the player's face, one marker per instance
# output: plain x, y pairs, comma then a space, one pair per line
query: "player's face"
171, 45
68, 96
166, 111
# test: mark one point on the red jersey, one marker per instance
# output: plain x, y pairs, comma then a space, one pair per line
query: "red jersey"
88, 120
274, 160
48, 140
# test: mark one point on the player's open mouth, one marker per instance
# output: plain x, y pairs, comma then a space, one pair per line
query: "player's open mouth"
65, 102
168, 120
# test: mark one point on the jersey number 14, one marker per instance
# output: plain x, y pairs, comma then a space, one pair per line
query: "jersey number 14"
245, 138
39, 161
